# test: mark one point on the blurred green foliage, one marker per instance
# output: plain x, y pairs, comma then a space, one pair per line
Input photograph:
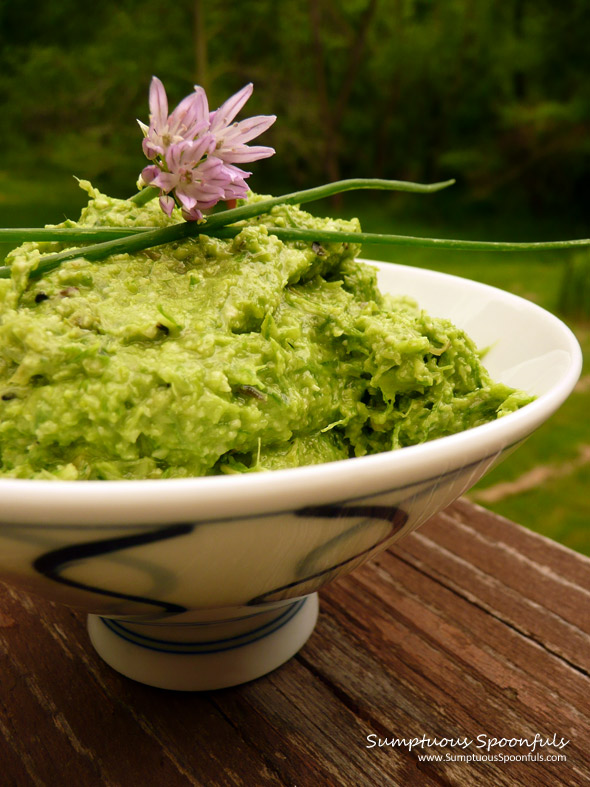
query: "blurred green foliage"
496, 94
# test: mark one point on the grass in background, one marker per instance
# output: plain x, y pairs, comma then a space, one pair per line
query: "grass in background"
558, 454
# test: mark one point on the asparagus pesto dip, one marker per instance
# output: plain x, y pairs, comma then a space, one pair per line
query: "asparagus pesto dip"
211, 356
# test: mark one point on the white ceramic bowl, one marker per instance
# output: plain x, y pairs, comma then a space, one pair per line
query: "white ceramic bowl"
208, 582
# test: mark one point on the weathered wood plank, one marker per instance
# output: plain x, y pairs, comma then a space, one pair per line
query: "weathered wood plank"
541, 550
469, 626
394, 704
93, 719
482, 625
461, 701
487, 591
504, 560
310, 730
435, 552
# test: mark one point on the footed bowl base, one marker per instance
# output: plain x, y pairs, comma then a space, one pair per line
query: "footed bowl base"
186, 657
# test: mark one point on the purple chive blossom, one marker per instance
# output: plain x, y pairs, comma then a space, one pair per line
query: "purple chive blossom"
197, 186
231, 139
195, 151
186, 122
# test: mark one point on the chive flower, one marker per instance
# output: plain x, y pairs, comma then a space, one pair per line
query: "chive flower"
195, 151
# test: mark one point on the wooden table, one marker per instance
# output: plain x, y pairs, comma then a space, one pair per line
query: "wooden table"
470, 627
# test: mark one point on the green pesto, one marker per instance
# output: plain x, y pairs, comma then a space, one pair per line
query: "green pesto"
214, 356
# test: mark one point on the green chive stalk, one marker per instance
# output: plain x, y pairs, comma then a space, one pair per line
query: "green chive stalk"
102, 234
330, 236
115, 240
145, 195
186, 229
65, 234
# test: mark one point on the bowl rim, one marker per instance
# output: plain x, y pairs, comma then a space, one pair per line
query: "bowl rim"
148, 501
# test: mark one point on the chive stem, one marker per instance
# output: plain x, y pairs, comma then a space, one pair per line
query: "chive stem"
145, 195
176, 232
127, 240
330, 236
65, 234
83, 234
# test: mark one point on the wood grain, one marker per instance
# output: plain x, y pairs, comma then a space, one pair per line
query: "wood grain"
470, 626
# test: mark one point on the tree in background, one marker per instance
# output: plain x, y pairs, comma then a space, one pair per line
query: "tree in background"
495, 93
